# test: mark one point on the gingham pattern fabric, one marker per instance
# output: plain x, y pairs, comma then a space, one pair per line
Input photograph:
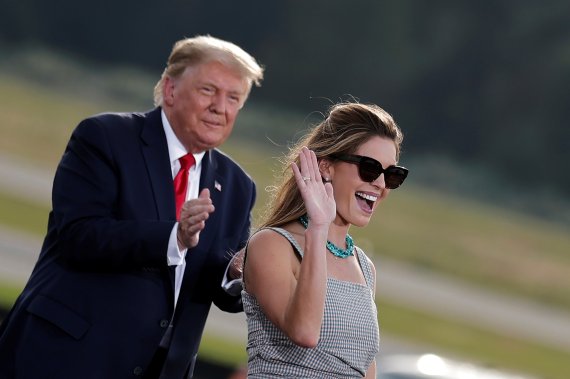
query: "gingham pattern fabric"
349, 338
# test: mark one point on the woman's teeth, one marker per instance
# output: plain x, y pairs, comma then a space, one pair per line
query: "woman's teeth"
367, 197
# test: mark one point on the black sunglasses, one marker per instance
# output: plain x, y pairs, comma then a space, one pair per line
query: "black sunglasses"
370, 169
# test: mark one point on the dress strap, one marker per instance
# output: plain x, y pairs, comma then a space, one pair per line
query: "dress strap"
285, 234
290, 238
361, 255
365, 267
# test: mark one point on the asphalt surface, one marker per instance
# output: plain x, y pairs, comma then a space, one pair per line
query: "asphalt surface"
396, 282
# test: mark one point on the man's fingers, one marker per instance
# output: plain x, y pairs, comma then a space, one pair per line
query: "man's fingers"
193, 217
192, 229
196, 206
204, 194
192, 209
188, 219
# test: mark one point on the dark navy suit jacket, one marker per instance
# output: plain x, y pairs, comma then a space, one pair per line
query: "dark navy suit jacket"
101, 295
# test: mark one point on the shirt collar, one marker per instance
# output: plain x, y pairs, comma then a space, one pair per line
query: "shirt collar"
175, 147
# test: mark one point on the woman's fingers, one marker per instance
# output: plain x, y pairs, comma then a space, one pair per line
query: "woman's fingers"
317, 195
305, 173
309, 166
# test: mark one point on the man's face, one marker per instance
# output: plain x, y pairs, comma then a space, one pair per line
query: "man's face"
202, 104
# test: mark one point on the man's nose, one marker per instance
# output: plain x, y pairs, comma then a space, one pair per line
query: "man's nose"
218, 104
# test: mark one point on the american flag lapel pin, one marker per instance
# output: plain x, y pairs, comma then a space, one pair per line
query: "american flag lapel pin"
217, 186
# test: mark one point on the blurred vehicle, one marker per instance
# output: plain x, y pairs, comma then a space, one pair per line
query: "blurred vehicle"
431, 366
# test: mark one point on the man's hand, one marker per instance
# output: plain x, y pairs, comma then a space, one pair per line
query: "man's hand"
193, 218
236, 265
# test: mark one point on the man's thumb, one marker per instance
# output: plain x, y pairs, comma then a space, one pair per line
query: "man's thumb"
204, 194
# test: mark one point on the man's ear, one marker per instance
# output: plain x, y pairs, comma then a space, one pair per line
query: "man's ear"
168, 90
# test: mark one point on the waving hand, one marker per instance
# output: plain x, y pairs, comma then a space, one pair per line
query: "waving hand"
318, 196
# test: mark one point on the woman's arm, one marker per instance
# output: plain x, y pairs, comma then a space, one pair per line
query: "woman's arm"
294, 304
371, 373
292, 295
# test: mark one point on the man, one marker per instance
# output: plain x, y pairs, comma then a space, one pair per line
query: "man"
121, 288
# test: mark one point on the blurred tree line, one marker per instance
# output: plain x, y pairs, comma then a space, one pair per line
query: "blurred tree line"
484, 82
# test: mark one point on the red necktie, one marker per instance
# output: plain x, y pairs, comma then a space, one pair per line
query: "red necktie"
181, 181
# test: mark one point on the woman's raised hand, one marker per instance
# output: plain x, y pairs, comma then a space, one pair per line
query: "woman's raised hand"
318, 196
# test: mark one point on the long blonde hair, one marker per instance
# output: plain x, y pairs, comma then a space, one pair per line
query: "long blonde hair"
346, 127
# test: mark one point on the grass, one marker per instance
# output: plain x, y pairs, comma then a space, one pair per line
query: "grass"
495, 248
23, 215
471, 343
492, 247
502, 250
8, 294
216, 349
37, 121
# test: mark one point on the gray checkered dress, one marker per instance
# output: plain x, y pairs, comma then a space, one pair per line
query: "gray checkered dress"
349, 338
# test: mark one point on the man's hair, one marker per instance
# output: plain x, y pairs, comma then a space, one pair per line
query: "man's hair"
191, 52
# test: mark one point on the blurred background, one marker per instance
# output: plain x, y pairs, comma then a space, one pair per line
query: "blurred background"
472, 253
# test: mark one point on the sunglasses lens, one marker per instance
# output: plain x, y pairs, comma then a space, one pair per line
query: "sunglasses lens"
394, 177
369, 170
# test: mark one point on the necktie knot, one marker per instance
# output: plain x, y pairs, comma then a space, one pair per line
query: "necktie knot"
186, 161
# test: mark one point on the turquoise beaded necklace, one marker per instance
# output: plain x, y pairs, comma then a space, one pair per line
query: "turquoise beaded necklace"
334, 249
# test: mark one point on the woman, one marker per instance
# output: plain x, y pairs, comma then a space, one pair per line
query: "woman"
308, 291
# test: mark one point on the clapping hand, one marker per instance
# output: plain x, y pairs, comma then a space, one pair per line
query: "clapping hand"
193, 218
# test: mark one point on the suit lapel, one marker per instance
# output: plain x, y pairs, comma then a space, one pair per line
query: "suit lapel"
196, 256
155, 152
208, 179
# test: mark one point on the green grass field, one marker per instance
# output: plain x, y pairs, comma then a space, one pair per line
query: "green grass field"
496, 248
500, 249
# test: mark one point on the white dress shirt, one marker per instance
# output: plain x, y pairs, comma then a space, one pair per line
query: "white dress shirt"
175, 256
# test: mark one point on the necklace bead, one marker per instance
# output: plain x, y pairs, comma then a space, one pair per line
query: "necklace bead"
335, 250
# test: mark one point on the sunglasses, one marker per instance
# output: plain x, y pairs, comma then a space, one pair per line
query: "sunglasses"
370, 169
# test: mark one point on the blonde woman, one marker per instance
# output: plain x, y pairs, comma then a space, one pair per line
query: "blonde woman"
308, 290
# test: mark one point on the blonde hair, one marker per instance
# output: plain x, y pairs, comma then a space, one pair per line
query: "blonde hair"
191, 52
347, 126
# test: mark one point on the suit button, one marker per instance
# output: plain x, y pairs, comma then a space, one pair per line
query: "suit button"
164, 323
138, 371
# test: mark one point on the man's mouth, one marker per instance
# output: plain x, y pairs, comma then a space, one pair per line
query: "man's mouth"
212, 123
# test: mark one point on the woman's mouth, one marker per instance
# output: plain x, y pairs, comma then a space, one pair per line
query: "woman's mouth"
366, 201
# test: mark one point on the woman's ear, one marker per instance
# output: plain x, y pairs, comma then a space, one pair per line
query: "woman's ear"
326, 169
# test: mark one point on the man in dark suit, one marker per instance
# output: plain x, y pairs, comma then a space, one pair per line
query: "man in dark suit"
124, 281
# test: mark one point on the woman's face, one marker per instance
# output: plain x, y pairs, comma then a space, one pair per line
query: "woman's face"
356, 200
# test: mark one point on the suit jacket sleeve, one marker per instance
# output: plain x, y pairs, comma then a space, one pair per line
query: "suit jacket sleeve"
224, 300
